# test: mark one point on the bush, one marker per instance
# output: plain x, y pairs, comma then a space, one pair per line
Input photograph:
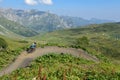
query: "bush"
23, 41
3, 44
81, 42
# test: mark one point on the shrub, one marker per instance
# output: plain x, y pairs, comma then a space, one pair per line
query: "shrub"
82, 42
23, 41
3, 44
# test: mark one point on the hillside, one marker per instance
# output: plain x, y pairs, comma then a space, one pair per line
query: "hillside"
8, 26
13, 46
7, 33
75, 22
100, 43
103, 38
56, 66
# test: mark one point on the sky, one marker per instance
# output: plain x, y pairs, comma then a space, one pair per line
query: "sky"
87, 9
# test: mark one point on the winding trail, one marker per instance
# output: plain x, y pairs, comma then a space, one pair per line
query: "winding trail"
24, 59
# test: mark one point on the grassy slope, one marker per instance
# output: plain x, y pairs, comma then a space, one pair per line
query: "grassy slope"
16, 28
7, 33
102, 39
14, 42
15, 46
66, 67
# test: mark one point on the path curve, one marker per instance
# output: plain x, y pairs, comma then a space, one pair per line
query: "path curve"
24, 59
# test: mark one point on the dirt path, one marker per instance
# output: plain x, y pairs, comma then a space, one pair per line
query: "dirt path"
24, 59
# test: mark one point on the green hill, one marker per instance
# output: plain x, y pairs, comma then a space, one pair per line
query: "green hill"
8, 33
103, 38
10, 48
15, 27
102, 41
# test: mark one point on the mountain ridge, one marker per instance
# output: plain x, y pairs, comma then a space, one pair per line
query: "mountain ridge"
42, 22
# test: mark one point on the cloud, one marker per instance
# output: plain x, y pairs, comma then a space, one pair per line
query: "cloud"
31, 2
48, 2
35, 2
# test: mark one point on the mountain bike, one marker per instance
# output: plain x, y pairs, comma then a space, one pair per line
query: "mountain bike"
30, 50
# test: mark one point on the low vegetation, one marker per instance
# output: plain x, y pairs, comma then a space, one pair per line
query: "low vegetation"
100, 40
8, 56
10, 49
96, 39
65, 67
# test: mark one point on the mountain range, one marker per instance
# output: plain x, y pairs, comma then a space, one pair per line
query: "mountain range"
32, 22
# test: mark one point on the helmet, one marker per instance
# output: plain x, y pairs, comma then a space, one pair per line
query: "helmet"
34, 42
